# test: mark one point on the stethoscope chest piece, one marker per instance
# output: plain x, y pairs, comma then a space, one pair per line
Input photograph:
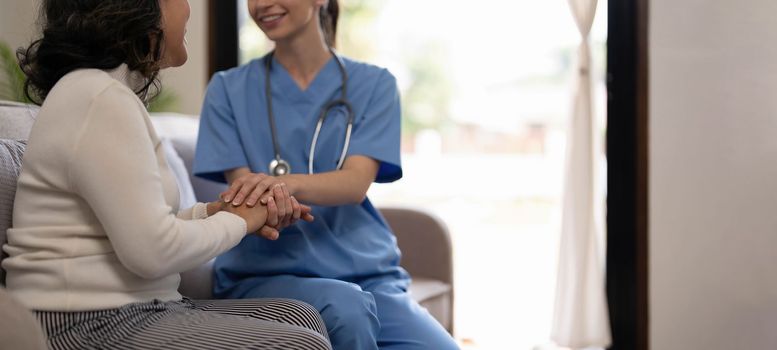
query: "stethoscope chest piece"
279, 167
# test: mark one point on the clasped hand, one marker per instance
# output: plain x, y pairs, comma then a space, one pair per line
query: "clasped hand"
282, 208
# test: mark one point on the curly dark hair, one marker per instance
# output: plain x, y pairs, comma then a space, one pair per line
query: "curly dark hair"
101, 34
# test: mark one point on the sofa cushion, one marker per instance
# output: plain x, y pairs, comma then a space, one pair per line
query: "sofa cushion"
423, 289
181, 130
436, 297
16, 120
197, 283
178, 168
11, 152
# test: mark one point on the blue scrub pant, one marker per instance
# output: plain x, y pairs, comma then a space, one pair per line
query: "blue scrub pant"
378, 314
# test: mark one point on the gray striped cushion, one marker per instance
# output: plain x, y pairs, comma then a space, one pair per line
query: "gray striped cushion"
11, 152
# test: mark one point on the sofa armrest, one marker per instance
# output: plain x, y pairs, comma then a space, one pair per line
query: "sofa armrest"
427, 254
436, 297
424, 241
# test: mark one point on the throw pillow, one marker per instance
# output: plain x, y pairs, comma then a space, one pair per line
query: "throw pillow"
178, 169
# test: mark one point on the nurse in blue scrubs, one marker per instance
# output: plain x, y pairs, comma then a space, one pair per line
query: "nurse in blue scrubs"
346, 262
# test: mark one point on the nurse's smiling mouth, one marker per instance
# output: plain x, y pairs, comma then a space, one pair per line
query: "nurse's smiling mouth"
271, 20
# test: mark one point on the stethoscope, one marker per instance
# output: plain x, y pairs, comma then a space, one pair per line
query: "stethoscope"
279, 166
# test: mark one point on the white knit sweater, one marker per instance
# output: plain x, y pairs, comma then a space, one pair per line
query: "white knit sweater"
94, 221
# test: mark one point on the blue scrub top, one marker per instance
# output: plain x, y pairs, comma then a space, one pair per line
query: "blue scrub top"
347, 242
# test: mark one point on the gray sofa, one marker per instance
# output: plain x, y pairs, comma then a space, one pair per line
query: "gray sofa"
423, 239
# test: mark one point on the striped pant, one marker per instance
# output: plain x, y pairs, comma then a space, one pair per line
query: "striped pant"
189, 324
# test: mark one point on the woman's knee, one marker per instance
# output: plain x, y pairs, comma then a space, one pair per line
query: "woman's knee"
312, 341
292, 337
301, 314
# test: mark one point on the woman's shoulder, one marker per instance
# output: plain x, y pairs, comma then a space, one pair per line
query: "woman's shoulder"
77, 92
82, 84
77, 99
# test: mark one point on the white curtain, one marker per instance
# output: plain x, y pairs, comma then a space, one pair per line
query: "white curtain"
580, 318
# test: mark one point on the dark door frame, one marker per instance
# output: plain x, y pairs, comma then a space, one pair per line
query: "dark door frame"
223, 35
627, 174
627, 154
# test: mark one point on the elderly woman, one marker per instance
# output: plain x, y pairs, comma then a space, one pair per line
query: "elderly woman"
97, 241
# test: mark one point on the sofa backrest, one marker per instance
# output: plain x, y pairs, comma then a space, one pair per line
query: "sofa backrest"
16, 120
182, 130
15, 124
11, 152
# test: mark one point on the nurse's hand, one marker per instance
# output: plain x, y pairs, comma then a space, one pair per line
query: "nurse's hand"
273, 226
299, 211
251, 186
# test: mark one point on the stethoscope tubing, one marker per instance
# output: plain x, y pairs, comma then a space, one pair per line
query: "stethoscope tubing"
278, 166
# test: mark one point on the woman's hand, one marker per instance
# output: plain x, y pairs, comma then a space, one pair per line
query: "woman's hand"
255, 217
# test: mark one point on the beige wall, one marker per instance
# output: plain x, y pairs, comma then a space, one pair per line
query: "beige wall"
17, 21
713, 178
17, 27
190, 80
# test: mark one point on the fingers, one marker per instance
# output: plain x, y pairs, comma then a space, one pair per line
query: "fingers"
244, 186
227, 195
296, 209
263, 199
280, 201
235, 187
272, 213
305, 213
289, 205
308, 217
289, 219
268, 232
269, 186
253, 198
